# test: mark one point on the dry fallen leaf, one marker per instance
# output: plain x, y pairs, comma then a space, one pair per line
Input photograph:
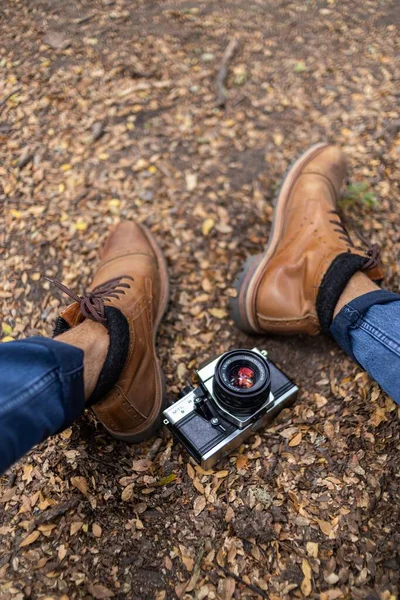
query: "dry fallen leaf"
336, 593
221, 474
186, 558
75, 527
32, 537
62, 552
306, 586
100, 592
97, 531
242, 462
296, 440
181, 371
207, 226
320, 400
378, 417
229, 515
199, 487
227, 588
56, 40
190, 471
191, 181
312, 549
141, 465
47, 528
278, 139
127, 493
219, 313
325, 527
289, 432
306, 568
199, 505
80, 226
81, 484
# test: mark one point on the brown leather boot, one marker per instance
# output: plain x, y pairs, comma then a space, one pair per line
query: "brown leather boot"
294, 285
129, 295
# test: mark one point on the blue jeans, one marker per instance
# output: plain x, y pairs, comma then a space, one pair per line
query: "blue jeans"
42, 392
368, 330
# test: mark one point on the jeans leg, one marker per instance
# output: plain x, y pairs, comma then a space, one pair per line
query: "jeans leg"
368, 330
41, 393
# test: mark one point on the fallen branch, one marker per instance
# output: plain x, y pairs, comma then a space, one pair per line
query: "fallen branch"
222, 93
53, 513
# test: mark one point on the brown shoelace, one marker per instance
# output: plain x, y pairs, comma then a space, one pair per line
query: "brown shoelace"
92, 303
373, 250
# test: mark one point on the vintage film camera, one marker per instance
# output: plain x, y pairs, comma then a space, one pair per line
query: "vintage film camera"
239, 392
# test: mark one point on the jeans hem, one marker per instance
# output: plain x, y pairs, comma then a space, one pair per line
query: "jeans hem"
350, 316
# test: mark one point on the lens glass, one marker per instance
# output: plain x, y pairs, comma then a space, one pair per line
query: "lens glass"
242, 382
242, 377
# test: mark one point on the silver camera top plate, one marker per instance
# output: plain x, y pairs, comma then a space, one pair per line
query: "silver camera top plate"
180, 409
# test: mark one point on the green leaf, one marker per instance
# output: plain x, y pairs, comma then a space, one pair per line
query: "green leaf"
7, 329
370, 199
299, 67
166, 480
359, 192
355, 189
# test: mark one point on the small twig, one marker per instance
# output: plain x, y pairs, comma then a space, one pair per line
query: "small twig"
25, 158
154, 448
196, 571
253, 588
136, 73
290, 548
84, 19
222, 93
161, 167
3, 102
238, 100
80, 197
190, 584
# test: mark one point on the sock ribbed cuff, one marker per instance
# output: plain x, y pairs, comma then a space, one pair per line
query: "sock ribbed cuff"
342, 269
118, 331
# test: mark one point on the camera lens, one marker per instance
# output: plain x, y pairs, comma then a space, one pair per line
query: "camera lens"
242, 381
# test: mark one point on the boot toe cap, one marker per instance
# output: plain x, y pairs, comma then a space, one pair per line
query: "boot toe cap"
331, 164
127, 238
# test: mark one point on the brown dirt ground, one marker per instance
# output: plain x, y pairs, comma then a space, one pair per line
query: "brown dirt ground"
309, 508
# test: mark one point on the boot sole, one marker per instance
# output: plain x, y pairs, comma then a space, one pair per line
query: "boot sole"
157, 421
243, 307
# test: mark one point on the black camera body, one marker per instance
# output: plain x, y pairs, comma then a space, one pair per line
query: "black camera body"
239, 392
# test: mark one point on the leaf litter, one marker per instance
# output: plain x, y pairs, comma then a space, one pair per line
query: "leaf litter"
111, 113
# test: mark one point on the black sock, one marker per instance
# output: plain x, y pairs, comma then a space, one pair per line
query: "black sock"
118, 331
335, 280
